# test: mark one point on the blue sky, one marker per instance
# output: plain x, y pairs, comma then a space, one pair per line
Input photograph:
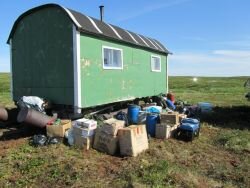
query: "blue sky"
207, 37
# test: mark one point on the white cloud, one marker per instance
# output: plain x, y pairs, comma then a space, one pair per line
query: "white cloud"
149, 8
242, 43
233, 53
214, 63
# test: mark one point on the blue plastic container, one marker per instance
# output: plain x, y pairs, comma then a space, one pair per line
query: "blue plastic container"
188, 129
151, 122
133, 114
190, 124
190, 120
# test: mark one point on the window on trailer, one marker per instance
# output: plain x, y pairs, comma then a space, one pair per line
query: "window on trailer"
155, 63
112, 58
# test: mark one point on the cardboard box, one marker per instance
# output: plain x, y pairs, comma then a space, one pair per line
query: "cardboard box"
82, 131
86, 123
111, 126
169, 118
58, 130
82, 142
181, 117
105, 142
163, 131
133, 140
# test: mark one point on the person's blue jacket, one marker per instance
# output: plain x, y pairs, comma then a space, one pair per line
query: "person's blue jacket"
170, 104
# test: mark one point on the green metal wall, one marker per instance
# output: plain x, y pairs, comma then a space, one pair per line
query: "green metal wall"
42, 56
102, 86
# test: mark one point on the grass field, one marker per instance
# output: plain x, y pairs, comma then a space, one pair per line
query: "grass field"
220, 157
219, 91
5, 98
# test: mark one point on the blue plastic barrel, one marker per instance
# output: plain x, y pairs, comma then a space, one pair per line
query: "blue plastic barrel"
151, 122
133, 113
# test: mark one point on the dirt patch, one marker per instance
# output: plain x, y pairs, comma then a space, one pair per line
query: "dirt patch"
10, 144
190, 164
13, 136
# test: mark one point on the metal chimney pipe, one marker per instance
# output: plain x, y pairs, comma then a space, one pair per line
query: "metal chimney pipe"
101, 12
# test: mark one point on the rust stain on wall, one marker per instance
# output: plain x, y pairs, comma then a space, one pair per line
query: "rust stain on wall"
85, 62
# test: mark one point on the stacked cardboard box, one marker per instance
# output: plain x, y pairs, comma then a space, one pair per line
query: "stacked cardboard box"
87, 123
58, 130
105, 142
168, 126
106, 139
133, 140
112, 125
171, 118
83, 132
83, 142
163, 131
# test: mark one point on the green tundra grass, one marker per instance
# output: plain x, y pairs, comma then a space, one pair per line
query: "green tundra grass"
5, 98
220, 157
219, 91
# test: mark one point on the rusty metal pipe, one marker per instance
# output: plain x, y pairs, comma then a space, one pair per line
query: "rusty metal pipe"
34, 117
3, 114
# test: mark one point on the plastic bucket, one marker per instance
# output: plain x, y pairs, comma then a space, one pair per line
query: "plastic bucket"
133, 113
3, 114
33, 117
151, 122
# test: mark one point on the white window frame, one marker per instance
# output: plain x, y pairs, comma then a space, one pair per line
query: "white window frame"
112, 48
152, 66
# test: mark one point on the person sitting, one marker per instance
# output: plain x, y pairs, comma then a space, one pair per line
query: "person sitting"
170, 96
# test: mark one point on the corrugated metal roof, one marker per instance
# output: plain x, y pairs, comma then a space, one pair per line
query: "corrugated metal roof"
102, 29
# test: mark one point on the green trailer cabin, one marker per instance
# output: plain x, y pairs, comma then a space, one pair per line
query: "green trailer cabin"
73, 59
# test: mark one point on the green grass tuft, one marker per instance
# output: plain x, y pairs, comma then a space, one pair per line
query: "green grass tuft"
235, 140
156, 174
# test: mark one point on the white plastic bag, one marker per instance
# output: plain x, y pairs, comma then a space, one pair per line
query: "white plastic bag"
69, 135
33, 102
